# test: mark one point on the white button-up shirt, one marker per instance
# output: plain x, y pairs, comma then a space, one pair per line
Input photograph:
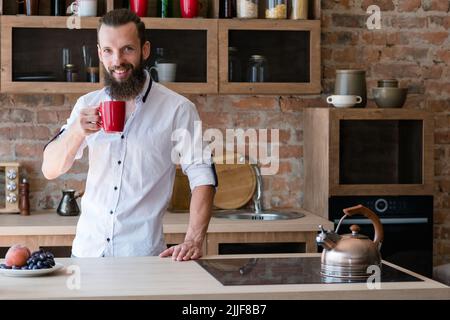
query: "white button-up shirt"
130, 179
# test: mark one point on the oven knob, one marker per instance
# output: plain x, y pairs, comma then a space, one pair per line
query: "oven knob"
381, 205
11, 174
11, 198
11, 186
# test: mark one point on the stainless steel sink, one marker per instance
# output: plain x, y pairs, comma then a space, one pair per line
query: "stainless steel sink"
265, 215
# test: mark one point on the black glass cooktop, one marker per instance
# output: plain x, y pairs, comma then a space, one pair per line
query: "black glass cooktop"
292, 270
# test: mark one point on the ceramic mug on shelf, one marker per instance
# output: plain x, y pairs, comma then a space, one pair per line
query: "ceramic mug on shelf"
344, 101
165, 72
83, 8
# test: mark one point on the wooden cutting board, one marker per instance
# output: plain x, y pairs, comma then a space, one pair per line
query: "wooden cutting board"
237, 184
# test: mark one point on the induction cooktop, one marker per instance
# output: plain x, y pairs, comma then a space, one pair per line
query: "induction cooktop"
290, 270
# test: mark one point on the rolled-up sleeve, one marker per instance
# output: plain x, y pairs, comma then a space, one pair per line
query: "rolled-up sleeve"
198, 166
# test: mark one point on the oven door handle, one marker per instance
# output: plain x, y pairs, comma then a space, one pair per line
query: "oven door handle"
385, 221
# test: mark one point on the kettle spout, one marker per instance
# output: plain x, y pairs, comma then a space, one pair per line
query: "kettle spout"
327, 239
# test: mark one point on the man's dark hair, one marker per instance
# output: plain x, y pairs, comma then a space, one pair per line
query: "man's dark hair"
119, 17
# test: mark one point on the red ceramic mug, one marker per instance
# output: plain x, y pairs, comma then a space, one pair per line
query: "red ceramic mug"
189, 8
112, 115
139, 7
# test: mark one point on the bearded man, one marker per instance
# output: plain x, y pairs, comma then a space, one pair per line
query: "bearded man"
131, 174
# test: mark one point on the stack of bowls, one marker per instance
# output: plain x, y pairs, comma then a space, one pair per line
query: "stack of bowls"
389, 95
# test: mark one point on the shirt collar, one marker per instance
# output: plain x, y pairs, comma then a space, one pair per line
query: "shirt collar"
143, 95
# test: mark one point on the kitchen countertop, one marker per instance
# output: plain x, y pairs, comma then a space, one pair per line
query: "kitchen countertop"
50, 223
162, 278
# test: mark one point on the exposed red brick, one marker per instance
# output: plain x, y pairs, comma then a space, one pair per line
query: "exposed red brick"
432, 72
294, 104
409, 22
435, 5
438, 105
29, 150
385, 5
287, 151
348, 20
6, 151
37, 100
442, 137
444, 56
397, 70
57, 117
409, 5
245, 120
31, 132
436, 38
256, 103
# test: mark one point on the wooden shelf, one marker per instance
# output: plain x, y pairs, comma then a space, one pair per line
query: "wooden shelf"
211, 76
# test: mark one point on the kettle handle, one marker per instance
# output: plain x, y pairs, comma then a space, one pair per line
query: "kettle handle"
360, 209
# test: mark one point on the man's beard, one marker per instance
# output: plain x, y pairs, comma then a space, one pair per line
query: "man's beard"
128, 88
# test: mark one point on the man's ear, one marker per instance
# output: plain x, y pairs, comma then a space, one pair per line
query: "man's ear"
146, 50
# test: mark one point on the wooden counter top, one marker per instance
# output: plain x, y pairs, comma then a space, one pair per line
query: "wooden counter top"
50, 223
162, 278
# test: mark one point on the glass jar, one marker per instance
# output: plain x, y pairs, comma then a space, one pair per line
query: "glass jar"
234, 65
299, 10
276, 9
247, 9
71, 73
257, 69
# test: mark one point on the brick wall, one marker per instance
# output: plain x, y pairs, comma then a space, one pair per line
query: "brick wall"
413, 46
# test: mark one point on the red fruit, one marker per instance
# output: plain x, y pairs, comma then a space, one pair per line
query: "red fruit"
17, 255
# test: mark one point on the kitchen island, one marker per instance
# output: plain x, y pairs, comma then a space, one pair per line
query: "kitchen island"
48, 229
162, 278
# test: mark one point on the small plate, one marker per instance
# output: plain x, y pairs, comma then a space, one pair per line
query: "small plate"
30, 273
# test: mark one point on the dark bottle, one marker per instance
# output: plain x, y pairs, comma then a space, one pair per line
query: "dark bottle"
227, 9
164, 9
21, 7
24, 198
234, 66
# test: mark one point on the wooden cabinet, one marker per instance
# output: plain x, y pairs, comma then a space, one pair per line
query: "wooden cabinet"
364, 152
31, 54
291, 49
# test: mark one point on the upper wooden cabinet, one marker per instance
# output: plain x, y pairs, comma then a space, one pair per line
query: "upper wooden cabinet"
31, 51
267, 56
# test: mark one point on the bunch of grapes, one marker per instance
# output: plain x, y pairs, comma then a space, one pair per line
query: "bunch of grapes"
40, 260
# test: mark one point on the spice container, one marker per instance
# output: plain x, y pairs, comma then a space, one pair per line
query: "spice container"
299, 10
71, 73
247, 9
257, 69
276, 9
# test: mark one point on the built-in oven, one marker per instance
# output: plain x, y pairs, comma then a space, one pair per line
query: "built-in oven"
407, 223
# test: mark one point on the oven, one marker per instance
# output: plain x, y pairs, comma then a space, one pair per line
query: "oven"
407, 223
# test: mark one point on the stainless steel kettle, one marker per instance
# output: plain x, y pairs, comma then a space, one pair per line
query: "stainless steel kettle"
350, 255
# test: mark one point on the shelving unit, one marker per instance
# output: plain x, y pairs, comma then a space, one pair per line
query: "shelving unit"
199, 47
